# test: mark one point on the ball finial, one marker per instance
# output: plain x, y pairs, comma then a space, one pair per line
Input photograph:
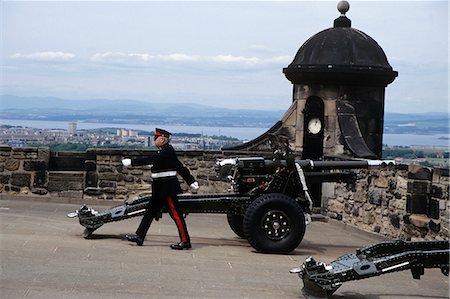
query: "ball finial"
343, 7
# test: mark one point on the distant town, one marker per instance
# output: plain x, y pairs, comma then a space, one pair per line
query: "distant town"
73, 139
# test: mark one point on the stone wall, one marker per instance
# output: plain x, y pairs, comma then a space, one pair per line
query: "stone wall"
397, 202
97, 173
23, 170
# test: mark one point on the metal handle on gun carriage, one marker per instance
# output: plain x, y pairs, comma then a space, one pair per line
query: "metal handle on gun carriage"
301, 174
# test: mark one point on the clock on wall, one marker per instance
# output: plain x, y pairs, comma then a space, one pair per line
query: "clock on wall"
314, 125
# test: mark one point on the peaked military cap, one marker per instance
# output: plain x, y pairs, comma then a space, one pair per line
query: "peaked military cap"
161, 132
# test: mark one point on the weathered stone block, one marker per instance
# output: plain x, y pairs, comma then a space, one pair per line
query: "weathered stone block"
137, 172
67, 162
377, 229
107, 184
34, 165
109, 190
397, 195
40, 178
332, 215
381, 182
91, 179
433, 208
65, 180
417, 203
43, 154
93, 191
39, 191
103, 158
440, 174
64, 186
109, 176
348, 208
335, 206
104, 169
419, 220
147, 178
89, 165
402, 183
202, 177
12, 164
375, 196
398, 205
419, 187
356, 211
437, 191
122, 169
18, 155
395, 220
13, 188
128, 178
21, 179
4, 178
434, 226
416, 172
369, 218
121, 191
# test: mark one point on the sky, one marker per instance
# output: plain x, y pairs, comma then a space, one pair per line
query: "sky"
224, 54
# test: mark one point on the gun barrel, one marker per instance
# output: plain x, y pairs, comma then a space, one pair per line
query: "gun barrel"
328, 165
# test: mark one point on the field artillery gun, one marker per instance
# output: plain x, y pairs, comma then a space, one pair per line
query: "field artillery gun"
321, 280
268, 203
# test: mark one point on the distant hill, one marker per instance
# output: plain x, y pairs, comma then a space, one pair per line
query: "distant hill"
138, 112
126, 111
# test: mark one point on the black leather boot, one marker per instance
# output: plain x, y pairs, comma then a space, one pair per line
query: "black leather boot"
135, 238
181, 246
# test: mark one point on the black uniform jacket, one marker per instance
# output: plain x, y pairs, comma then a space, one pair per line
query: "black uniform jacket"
163, 160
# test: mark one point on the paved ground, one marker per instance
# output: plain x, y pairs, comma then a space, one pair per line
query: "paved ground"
43, 255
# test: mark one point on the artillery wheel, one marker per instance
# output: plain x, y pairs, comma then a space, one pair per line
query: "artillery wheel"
236, 224
274, 223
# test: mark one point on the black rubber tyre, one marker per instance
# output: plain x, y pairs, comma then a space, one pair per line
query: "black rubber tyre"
274, 223
236, 223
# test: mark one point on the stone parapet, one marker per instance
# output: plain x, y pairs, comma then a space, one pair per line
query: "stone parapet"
396, 202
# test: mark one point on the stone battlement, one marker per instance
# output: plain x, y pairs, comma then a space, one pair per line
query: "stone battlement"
405, 201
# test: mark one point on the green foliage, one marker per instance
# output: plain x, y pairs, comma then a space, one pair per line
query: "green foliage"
82, 147
401, 152
64, 147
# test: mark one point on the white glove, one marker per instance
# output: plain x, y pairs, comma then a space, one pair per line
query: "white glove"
126, 162
194, 187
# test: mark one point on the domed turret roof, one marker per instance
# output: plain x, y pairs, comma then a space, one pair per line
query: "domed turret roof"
341, 54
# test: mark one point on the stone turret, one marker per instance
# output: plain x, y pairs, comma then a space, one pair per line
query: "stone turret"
339, 77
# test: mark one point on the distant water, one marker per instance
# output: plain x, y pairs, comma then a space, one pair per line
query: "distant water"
242, 133
413, 139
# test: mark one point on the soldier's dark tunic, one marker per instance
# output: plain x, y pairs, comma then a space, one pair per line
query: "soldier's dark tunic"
165, 188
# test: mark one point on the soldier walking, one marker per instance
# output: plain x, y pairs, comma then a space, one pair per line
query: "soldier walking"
165, 188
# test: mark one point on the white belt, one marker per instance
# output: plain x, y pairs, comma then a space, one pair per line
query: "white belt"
163, 174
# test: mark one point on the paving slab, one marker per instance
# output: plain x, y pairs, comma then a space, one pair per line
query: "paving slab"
43, 255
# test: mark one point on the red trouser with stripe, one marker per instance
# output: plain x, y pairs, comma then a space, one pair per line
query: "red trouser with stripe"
153, 209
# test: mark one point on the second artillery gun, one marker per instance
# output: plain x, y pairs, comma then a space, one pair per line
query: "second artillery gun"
269, 203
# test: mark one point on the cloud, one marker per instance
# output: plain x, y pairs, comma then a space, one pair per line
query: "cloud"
182, 60
262, 49
44, 56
